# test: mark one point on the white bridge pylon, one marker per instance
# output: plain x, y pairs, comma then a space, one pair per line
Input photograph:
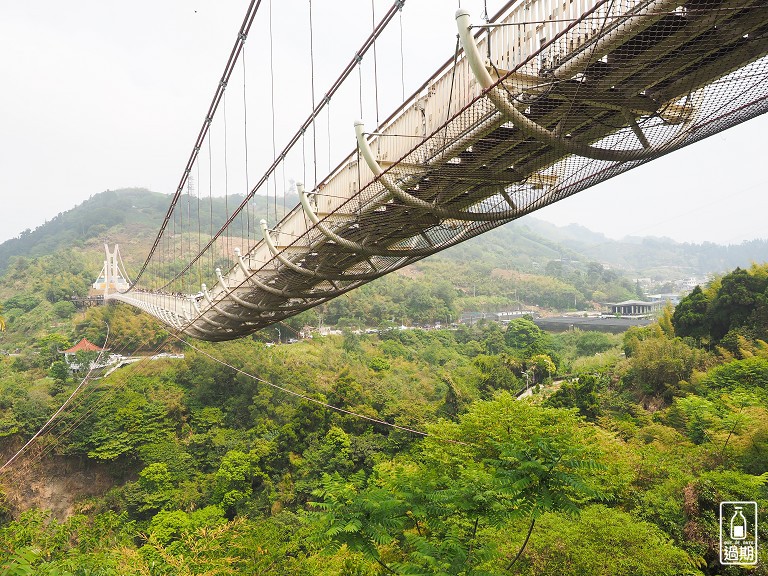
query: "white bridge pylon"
552, 98
112, 278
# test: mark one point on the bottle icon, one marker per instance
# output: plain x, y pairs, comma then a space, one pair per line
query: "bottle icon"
738, 525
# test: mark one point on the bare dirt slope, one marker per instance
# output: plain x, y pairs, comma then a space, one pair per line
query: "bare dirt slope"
56, 483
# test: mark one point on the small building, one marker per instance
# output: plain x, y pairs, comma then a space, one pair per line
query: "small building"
507, 317
504, 317
83, 346
635, 308
670, 297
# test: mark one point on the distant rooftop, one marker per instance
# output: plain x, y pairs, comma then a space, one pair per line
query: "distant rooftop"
84, 345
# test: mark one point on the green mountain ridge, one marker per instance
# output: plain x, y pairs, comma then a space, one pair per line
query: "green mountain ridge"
133, 216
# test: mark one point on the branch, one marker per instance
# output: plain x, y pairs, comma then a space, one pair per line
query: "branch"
472, 541
519, 552
387, 568
730, 433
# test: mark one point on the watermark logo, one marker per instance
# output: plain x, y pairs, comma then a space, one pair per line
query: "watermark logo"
738, 533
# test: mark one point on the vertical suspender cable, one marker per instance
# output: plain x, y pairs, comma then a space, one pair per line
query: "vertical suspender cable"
245, 145
328, 125
210, 198
234, 54
312, 77
272, 88
190, 185
375, 67
303, 161
357, 148
284, 183
360, 84
199, 217
226, 174
488, 31
172, 255
402, 55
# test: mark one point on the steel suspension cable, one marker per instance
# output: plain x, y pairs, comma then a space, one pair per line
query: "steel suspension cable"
272, 102
312, 85
375, 65
61, 408
199, 219
226, 172
402, 54
245, 133
245, 27
328, 130
367, 45
190, 186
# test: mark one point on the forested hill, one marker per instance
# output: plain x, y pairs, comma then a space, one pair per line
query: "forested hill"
649, 256
107, 213
508, 451
132, 217
530, 243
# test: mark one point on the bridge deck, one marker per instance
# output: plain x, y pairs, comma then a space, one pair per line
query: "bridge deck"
558, 107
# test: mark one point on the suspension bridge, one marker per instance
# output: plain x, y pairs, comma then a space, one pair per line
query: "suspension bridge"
535, 103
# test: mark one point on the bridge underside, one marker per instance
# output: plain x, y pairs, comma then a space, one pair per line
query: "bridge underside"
601, 98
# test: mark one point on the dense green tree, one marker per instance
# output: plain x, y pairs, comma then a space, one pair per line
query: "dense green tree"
740, 294
327, 455
59, 371
64, 309
635, 335
660, 364
494, 339
497, 372
581, 393
590, 343
24, 302
234, 480
346, 391
749, 373
51, 347
525, 337
541, 367
430, 515
155, 487
603, 542
689, 316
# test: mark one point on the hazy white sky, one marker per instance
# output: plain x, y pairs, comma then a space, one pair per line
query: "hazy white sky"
101, 94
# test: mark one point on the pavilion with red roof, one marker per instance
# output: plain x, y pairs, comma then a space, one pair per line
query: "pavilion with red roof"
84, 345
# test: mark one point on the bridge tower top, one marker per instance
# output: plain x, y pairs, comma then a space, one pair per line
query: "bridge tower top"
112, 278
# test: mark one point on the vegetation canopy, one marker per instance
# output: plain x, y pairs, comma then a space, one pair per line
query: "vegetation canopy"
513, 450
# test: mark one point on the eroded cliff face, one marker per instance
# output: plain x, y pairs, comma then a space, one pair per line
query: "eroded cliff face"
60, 484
